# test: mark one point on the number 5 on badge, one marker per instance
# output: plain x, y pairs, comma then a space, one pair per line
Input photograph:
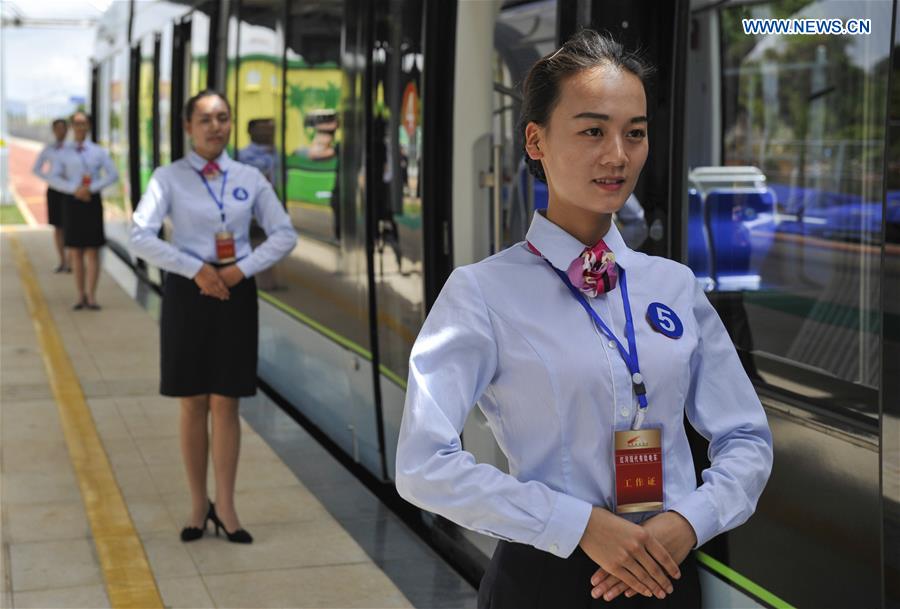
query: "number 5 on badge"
664, 320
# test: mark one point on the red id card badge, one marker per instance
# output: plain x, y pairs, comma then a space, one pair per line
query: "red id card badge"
225, 247
639, 471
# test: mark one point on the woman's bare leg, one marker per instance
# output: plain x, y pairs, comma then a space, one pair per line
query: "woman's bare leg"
93, 272
195, 453
76, 254
226, 441
60, 246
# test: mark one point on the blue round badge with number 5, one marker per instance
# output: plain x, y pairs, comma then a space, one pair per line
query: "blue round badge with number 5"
240, 193
664, 320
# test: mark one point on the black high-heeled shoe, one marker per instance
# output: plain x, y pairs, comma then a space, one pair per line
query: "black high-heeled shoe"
239, 536
195, 533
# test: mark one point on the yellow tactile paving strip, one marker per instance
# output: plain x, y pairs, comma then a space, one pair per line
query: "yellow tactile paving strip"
126, 571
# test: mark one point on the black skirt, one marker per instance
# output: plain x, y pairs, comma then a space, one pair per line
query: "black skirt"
523, 577
84, 222
56, 207
208, 345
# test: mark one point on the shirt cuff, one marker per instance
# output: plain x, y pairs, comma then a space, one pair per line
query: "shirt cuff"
247, 267
700, 513
191, 266
566, 526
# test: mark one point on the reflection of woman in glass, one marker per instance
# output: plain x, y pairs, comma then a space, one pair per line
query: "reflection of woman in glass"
584, 376
209, 320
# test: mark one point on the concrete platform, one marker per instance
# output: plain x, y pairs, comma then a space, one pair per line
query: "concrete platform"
321, 539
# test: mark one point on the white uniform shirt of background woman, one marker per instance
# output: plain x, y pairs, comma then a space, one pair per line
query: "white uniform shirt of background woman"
177, 190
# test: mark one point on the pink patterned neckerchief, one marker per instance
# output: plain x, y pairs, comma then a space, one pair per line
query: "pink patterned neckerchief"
594, 271
211, 170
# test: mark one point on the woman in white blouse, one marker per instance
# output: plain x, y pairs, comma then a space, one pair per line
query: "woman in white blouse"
56, 201
585, 356
209, 321
83, 171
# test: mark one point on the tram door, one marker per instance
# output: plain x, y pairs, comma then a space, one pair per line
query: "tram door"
790, 194
395, 202
323, 364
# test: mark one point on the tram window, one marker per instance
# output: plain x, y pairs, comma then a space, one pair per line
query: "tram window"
145, 111
103, 99
231, 69
117, 194
786, 188
396, 124
325, 278
313, 92
165, 95
199, 58
257, 97
255, 89
522, 35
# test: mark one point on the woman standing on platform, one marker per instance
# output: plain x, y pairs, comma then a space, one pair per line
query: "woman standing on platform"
84, 170
209, 321
56, 200
584, 376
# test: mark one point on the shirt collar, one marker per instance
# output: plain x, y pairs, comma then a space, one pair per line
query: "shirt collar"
561, 248
198, 162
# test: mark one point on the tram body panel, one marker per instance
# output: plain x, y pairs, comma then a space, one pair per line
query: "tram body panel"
820, 513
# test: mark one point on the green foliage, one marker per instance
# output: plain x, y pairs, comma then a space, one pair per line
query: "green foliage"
305, 99
824, 114
10, 214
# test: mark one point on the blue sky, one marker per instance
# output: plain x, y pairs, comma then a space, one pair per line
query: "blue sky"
47, 65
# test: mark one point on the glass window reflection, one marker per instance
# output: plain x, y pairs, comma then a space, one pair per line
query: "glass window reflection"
785, 200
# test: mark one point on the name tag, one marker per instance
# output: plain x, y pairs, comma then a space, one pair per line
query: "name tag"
225, 251
639, 469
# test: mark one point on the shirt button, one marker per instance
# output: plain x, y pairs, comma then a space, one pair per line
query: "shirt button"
612, 344
554, 548
624, 412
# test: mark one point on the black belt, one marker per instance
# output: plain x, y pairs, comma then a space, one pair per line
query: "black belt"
220, 265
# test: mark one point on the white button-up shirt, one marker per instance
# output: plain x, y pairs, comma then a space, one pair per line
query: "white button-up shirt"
47, 160
178, 191
507, 333
66, 175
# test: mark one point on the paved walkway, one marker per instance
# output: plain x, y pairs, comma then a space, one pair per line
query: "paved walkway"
53, 552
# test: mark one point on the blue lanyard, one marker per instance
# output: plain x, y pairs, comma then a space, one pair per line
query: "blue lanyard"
220, 201
630, 356
84, 164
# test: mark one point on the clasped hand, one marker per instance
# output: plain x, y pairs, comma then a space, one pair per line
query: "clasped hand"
215, 282
82, 193
636, 559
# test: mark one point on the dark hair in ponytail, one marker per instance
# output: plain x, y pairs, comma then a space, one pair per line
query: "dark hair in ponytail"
586, 49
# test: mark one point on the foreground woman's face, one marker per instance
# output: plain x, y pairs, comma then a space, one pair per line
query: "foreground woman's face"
209, 126
595, 143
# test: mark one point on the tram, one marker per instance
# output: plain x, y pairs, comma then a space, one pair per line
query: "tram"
388, 129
